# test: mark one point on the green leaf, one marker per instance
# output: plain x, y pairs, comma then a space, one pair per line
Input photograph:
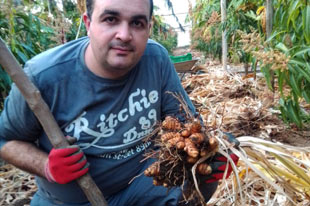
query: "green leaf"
235, 4
302, 52
297, 62
295, 85
282, 47
252, 15
22, 56
283, 109
281, 78
307, 69
282, 102
274, 35
28, 48
293, 113
266, 71
293, 13
306, 95
5, 79
305, 73
306, 23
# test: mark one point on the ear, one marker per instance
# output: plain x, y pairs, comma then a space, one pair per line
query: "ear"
86, 21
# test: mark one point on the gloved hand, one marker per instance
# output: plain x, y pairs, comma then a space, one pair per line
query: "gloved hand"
218, 162
65, 165
218, 165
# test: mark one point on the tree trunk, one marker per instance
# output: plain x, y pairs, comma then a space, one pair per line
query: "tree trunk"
224, 38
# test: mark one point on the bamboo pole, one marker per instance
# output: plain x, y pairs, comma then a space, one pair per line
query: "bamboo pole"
33, 97
224, 38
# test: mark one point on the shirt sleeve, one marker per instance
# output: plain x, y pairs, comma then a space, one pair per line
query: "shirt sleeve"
172, 84
17, 121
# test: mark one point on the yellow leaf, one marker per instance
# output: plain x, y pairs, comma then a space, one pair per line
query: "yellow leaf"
260, 10
299, 172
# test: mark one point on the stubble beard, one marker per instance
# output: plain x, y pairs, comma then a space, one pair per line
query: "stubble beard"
117, 67
131, 58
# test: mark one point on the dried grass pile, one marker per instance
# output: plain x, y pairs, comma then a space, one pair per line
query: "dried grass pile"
233, 104
269, 173
16, 186
239, 105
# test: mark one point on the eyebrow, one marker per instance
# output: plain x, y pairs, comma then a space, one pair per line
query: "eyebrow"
109, 12
140, 17
116, 13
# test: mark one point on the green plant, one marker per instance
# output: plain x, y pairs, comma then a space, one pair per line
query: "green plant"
5, 84
34, 27
206, 31
24, 32
291, 36
164, 34
286, 54
207, 27
25, 35
241, 17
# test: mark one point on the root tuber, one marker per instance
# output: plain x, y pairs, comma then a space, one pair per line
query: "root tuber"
181, 145
204, 169
171, 123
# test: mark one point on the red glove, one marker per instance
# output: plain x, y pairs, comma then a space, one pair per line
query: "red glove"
65, 165
218, 165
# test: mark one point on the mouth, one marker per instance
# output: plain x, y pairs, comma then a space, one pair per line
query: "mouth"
122, 50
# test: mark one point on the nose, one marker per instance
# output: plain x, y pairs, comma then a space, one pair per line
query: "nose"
124, 33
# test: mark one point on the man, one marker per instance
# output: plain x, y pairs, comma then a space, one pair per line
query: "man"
106, 91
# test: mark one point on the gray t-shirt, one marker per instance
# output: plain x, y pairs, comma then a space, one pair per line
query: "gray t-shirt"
110, 118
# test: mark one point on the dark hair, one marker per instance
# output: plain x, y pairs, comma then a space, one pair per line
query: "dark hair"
90, 8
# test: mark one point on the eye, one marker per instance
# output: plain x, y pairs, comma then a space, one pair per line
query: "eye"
110, 19
137, 23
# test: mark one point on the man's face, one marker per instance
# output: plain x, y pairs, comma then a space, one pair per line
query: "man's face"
118, 31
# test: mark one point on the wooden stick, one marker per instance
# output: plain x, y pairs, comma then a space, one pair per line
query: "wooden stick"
33, 97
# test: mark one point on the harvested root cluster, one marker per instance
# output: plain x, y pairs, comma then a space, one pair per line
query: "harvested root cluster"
182, 146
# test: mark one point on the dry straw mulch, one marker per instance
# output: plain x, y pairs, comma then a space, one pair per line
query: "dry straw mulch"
241, 105
16, 186
246, 107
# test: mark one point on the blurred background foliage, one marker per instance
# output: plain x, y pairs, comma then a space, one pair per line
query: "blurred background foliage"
283, 58
30, 27
164, 33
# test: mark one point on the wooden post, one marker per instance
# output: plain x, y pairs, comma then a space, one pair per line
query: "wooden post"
224, 38
33, 97
269, 19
